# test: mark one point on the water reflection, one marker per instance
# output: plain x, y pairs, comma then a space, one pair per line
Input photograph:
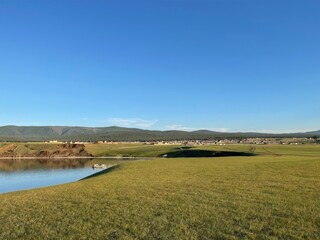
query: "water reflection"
12, 165
22, 174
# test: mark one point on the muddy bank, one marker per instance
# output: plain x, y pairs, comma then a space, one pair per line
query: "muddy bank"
43, 151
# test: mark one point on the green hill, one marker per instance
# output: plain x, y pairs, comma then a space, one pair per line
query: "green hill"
65, 133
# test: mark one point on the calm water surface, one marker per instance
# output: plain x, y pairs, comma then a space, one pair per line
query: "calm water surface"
23, 174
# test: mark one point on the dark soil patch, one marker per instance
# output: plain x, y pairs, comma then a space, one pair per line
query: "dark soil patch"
204, 153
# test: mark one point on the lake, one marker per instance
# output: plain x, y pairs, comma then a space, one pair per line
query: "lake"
23, 174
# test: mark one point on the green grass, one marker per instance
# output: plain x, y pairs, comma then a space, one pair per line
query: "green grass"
260, 197
129, 150
311, 150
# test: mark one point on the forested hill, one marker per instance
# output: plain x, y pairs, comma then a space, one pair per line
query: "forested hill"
44, 133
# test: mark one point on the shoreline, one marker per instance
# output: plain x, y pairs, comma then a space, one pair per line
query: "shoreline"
75, 157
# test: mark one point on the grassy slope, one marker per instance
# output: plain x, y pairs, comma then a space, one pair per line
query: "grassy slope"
129, 150
262, 197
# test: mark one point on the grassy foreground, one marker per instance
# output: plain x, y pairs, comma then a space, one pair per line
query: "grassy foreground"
273, 196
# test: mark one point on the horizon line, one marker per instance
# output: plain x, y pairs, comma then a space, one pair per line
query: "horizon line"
166, 130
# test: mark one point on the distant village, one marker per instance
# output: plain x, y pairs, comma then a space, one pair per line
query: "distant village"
221, 142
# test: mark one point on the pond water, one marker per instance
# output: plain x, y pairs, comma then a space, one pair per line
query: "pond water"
23, 174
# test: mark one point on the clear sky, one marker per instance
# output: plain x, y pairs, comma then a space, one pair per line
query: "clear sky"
229, 65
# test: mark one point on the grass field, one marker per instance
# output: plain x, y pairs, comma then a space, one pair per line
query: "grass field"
129, 150
274, 195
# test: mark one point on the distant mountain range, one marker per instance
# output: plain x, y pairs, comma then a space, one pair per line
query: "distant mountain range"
45, 133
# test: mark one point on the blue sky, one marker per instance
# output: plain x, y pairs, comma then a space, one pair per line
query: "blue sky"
228, 65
